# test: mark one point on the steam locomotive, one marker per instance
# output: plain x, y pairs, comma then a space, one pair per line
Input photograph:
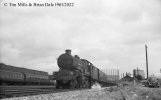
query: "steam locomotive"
73, 73
78, 73
11, 75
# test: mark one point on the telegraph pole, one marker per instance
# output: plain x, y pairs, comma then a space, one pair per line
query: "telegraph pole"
0, 51
146, 60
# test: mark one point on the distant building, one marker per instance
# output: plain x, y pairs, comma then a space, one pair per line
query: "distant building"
128, 78
137, 72
156, 75
112, 74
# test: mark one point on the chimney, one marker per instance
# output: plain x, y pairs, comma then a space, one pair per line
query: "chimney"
68, 51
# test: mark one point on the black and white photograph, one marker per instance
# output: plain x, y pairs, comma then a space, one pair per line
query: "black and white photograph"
80, 49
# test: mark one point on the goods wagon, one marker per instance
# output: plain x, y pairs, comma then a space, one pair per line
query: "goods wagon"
77, 73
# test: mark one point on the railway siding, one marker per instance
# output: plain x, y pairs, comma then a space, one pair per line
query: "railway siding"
16, 91
110, 93
132, 92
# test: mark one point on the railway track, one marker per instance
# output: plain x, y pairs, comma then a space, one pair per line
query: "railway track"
123, 94
20, 91
17, 91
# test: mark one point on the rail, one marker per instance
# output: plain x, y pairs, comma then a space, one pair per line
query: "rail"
16, 91
20, 91
123, 94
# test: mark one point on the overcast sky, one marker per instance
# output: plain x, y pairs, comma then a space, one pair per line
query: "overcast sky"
108, 33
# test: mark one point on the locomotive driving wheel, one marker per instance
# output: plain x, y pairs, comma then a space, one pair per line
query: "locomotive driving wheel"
87, 84
83, 84
58, 84
73, 84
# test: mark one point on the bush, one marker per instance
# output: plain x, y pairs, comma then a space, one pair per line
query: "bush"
139, 77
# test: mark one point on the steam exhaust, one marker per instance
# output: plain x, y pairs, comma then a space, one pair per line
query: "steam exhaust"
96, 86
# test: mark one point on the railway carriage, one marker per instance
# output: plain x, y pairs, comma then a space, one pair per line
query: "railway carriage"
10, 75
36, 78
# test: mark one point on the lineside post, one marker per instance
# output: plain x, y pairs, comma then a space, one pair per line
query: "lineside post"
146, 60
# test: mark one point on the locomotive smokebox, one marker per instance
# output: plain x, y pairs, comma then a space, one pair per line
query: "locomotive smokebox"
68, 62
68, 51
65, 61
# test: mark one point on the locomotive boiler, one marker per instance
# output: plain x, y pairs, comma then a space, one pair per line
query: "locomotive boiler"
77, 73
